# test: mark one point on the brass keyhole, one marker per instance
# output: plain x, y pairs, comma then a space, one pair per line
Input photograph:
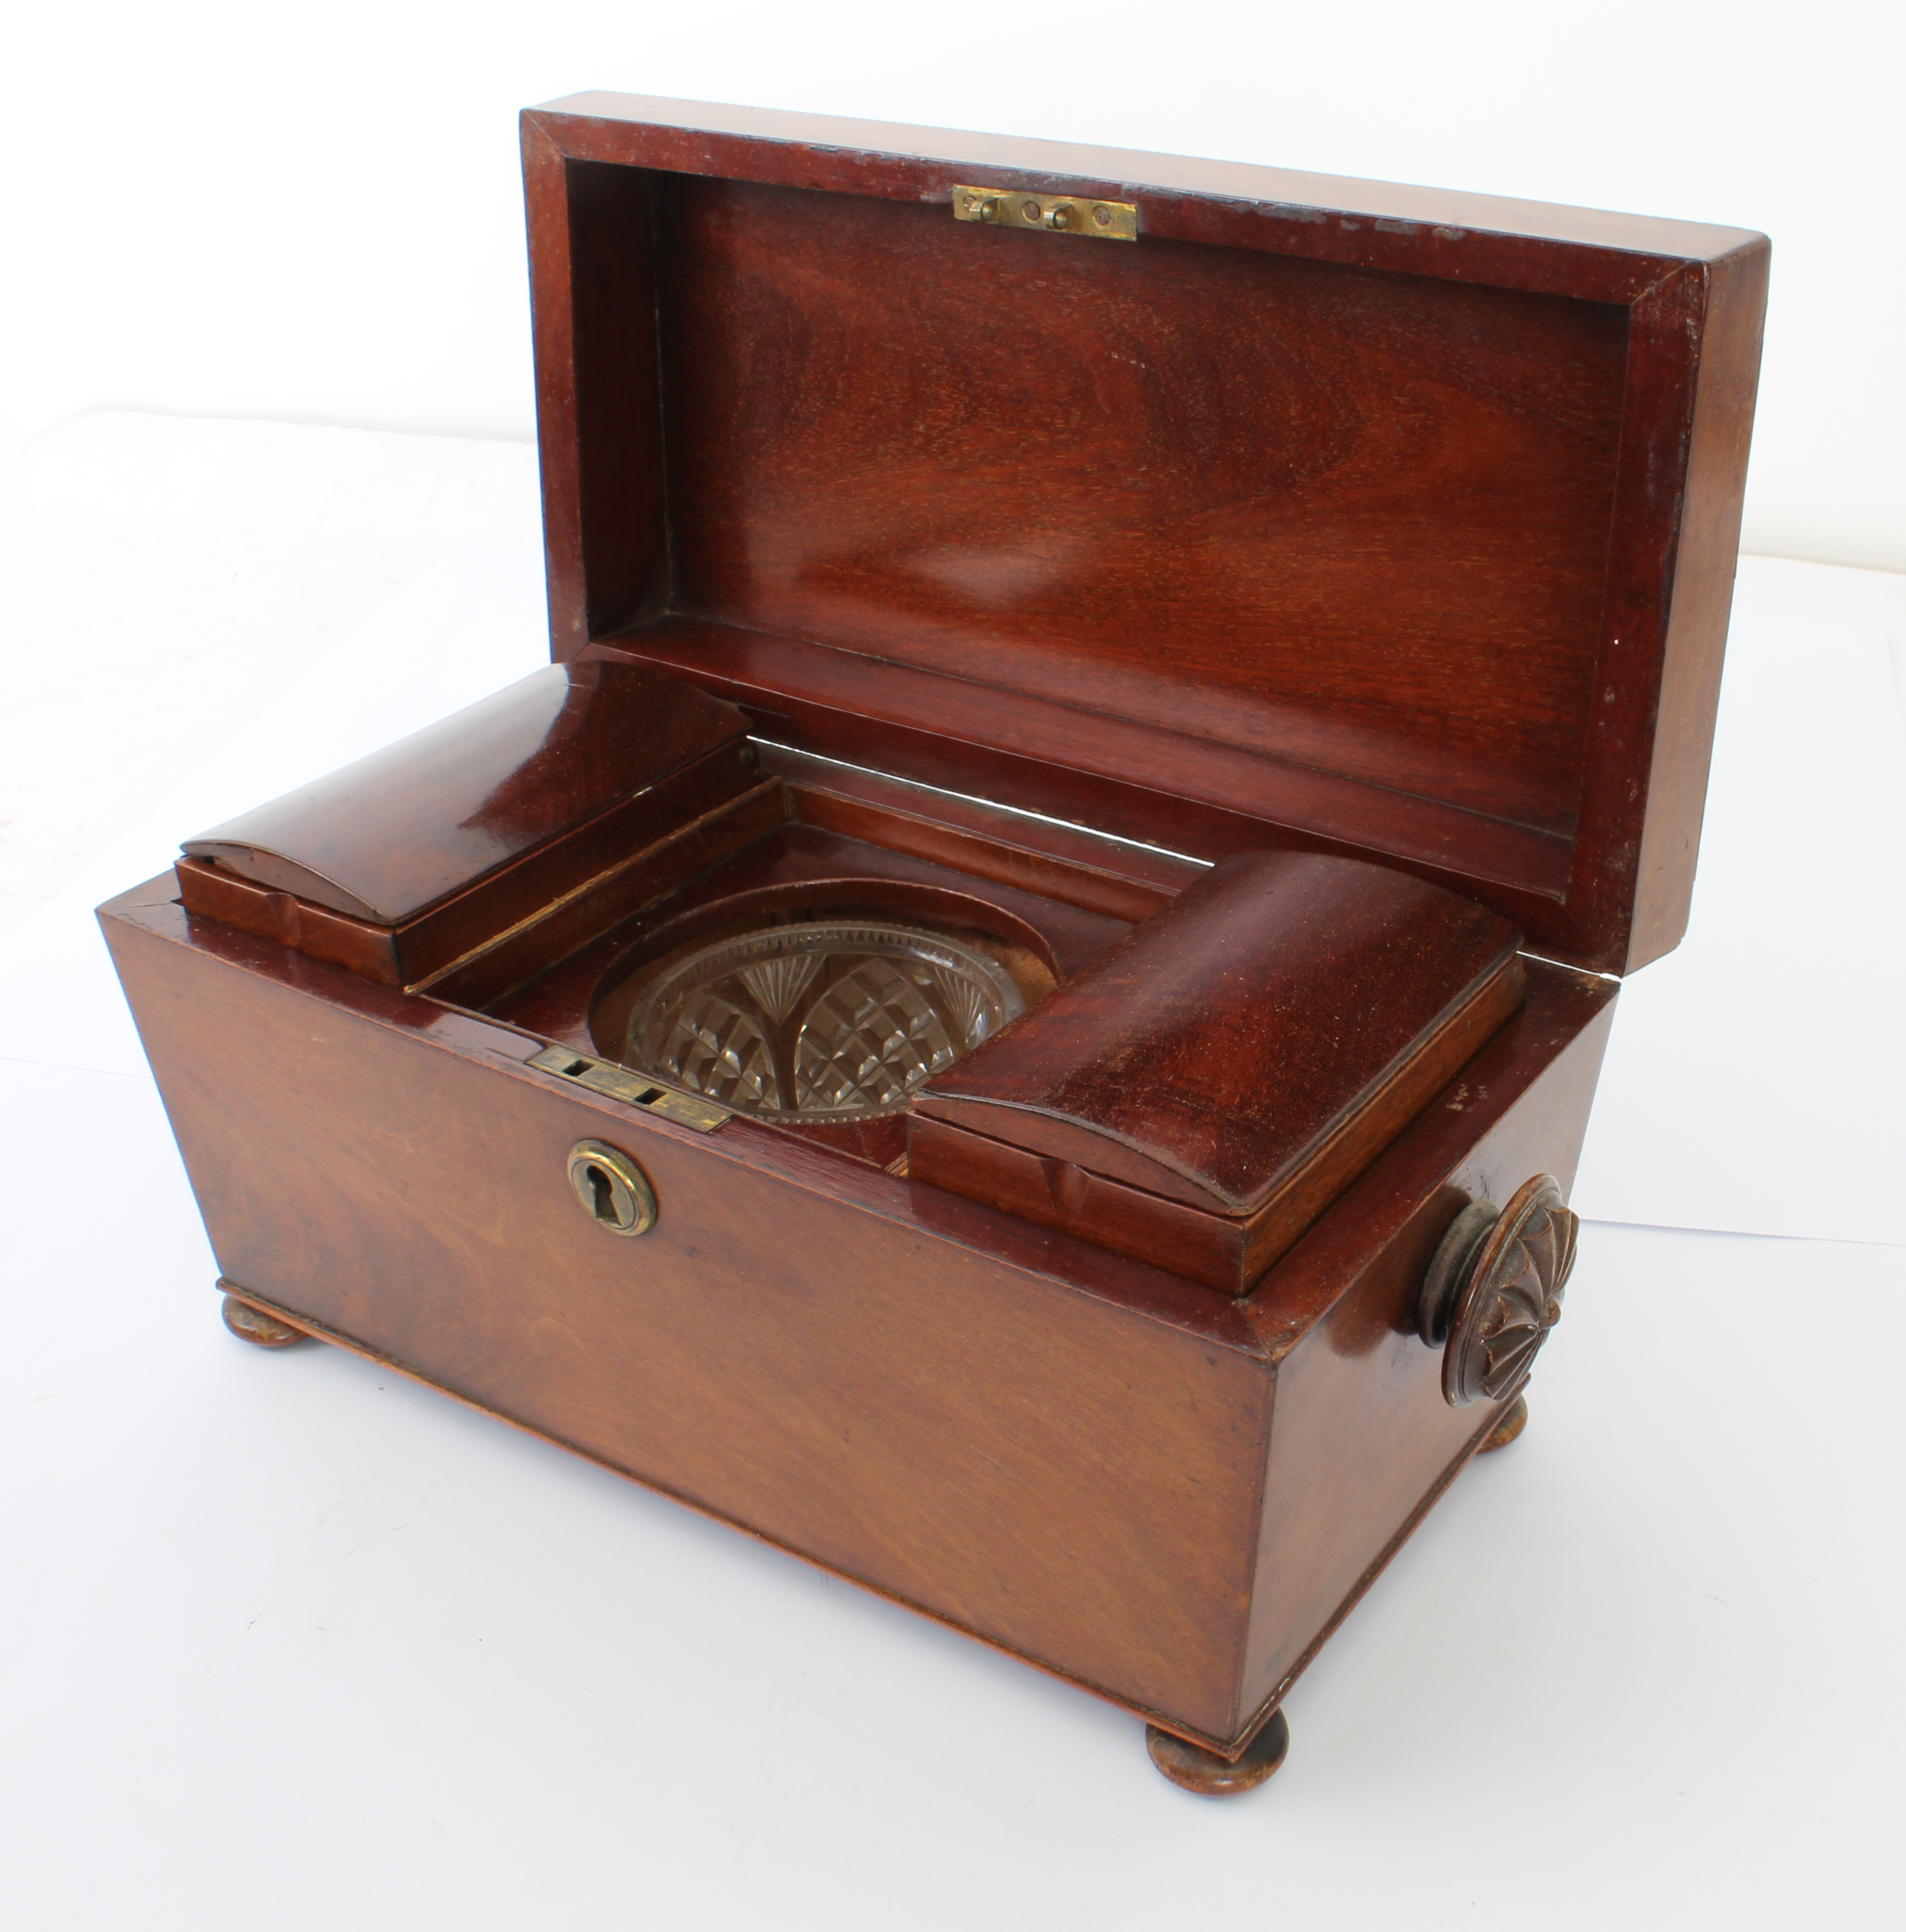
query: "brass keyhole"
610, 1188
607, 1208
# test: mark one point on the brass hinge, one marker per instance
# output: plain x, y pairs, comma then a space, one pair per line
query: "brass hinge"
1057, 214
602, 1076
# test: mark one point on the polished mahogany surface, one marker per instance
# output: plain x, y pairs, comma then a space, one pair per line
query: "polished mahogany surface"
1349, 520
1393, 522
1054, 860
513, 919
1200, 1095
1214, 1050
395, 833
1276, 533
1165, 1495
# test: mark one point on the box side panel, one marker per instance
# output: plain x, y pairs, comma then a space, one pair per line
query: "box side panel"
1073, 1479
1364, 1440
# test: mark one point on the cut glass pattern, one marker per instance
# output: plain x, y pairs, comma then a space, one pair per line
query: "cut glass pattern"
828, 1019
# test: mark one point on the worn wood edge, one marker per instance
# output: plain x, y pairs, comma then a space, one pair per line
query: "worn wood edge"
1614, 802
552, 326
1097, 170
160, 889
1568, 1008
1695, 624
1388, 1106
321, 1332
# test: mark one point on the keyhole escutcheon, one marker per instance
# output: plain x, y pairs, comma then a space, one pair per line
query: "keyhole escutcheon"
610, 1188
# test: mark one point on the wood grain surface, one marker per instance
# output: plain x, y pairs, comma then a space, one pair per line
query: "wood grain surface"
1198, 1096
1329, 522
1066, 1453
1345, 524
1217, 1044
424, 819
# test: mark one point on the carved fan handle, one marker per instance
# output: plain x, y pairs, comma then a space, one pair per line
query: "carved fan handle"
1494, 1290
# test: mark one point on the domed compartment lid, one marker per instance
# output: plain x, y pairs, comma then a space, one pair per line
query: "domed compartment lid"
1220, 1047
384, 839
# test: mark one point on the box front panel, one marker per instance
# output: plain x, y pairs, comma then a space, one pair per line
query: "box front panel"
1073, 1479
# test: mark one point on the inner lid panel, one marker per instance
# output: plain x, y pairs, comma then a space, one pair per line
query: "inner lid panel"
1349, 519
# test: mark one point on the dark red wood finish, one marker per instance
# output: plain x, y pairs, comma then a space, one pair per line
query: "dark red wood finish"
520, 822
1213, 1049
1165, 1495
1330, 513
1199, 1093
407, 828
1327, 518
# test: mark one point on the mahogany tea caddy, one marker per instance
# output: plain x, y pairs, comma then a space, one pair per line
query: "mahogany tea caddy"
1015, 1014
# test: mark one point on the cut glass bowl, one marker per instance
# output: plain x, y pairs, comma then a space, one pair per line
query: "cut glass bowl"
834, 1019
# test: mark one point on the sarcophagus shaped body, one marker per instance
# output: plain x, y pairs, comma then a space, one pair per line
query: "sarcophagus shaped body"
1015, 1012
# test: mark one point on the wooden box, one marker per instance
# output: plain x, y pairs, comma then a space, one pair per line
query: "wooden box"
1255, 638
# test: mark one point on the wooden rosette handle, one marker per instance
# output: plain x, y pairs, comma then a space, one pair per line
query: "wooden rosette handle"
1494, 1288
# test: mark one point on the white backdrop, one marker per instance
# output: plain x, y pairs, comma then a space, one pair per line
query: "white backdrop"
312, 213
287, 1644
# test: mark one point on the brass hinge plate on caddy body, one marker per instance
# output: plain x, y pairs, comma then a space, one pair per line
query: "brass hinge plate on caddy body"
1056, 213
636, 1090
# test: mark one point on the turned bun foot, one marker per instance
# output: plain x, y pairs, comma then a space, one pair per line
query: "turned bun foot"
264, 1331
1211, 1776
1515, 1420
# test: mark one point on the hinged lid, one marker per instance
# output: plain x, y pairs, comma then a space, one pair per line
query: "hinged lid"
1272, 510
1214, 1052
392, 835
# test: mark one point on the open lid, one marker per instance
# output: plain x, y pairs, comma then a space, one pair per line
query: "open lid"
1212, 505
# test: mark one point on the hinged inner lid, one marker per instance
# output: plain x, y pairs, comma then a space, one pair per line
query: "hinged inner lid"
1220, 1046
1325, 512
393, 834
